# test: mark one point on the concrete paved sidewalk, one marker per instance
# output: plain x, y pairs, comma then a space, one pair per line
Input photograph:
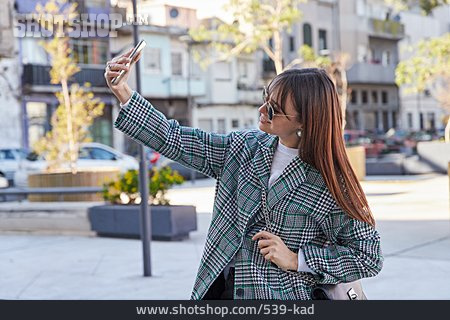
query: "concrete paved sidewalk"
412, 216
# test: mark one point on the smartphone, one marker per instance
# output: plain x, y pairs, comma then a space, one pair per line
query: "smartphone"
138, 48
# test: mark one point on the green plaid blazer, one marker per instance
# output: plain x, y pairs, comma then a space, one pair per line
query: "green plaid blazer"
302, 211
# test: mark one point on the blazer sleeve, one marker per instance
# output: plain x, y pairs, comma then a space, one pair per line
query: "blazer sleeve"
192, 147
354, 252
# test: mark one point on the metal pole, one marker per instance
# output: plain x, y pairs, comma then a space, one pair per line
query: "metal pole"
189, 98
146, 231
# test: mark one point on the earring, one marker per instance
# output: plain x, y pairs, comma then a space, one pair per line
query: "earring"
299, 133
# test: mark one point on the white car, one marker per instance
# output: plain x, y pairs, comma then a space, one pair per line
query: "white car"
92, 155
10, 160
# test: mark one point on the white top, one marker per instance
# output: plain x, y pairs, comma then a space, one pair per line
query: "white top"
282, 157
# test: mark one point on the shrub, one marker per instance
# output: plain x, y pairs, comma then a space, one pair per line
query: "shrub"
125, 190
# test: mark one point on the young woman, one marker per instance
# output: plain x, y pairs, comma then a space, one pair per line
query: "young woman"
289, 211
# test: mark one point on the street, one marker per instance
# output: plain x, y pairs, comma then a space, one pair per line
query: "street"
412, 214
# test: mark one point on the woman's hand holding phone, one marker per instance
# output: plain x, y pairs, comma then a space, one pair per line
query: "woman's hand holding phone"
113, 68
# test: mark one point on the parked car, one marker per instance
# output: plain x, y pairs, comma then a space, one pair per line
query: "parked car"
3, 183
10, 160
158, 160
91, 155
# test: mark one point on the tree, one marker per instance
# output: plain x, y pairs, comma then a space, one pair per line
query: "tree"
256, 22
426, 5
429, 66
336, 67
77, 107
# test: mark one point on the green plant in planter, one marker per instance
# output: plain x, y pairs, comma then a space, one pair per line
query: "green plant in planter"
125, 190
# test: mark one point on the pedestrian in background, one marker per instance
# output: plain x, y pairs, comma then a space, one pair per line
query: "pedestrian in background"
289, 211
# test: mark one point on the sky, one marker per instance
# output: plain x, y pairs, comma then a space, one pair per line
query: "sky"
205, 8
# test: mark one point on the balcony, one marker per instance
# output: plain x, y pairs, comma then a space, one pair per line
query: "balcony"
38, 75
178, 87
371, 73
249, 95
387, 29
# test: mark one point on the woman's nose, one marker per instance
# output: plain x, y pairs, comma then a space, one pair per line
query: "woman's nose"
262, 109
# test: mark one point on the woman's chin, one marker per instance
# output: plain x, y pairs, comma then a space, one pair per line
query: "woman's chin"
264, 126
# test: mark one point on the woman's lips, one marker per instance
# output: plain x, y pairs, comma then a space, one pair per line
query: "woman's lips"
261, 119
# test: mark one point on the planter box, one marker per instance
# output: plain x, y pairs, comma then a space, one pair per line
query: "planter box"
93, 178
357, 158
167, 222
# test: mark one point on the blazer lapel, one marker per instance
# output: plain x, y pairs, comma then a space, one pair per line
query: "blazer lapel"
262, 162
292, 176
290, 179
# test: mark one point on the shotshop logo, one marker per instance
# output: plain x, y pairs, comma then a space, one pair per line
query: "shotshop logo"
84, 25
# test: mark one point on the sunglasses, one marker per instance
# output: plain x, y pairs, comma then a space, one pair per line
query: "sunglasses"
270, 106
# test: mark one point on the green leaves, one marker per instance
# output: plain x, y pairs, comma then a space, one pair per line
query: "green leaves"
255, 22
427, 6
125, 190
429, 64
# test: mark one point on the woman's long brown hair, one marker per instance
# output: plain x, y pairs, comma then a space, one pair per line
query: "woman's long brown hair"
322, 145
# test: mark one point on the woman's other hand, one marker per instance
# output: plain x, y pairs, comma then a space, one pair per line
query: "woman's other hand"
273, 249
120, 89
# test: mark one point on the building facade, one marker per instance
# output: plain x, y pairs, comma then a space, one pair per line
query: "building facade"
38, 100
220, 97
370, 34
10, 90
422, 111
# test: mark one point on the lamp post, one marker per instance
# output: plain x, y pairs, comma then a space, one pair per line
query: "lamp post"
189, 41
143, 175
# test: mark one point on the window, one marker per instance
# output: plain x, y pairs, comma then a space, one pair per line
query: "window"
356, 118
374, 97
421, 120
384, 97
431, 121
307, 34
38, 120
101, 130
152, 60
377, 120
242, 65
410, 120
89, 51
385, 121
386, 58
394, 119
364, 96
205, 124
323, 40
221, 126
83, 153
235, 123
354, 97
177, 63
362, 53
291, 43
6, 155
100, 154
